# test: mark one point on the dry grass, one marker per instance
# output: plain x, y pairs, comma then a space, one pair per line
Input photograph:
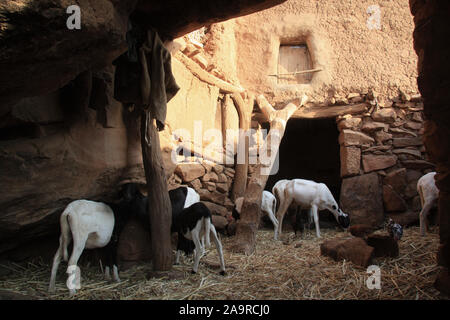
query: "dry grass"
290, 270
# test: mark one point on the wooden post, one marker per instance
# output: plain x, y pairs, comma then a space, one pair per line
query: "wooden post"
241, 169
159, 206
250, 213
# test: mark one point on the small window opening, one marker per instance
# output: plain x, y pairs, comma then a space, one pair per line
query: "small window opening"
292, 60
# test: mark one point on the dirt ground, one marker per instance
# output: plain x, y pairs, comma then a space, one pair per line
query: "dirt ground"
289, 269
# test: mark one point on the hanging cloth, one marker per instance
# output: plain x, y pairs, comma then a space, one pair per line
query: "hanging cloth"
147, 81
163, 86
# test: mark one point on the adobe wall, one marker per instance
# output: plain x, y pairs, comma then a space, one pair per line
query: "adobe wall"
352, 56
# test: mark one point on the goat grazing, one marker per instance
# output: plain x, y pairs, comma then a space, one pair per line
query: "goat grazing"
308, 195
136, 203
91, 225
429, 194
268, 206
193, 223
181, 198
297, 222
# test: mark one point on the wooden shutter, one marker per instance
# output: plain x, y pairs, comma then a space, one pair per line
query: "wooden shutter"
294, 58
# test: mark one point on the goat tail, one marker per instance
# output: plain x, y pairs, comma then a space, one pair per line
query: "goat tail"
277, 199
422, 200
207, 231
65, 234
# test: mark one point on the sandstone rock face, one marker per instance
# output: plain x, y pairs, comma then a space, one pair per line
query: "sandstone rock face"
195, 184
392, 200
360, 230
412, 152
189, 171
397, 180
41, 44
349, 123
381, 137
41, 176
354, 249
406, 142
212, 176
387, 115
361, 197
219, 222
216, 209
375, 162
384, 245
350, 161
371, 126
53, 151
37, 41
417, 164
354, 138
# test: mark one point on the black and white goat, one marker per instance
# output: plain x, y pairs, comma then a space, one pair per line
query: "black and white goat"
180, 198
194, 223
90, 225
136, 203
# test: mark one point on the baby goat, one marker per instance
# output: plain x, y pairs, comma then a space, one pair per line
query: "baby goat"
193, 223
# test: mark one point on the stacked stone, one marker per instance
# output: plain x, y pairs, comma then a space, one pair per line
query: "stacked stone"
213, 183
382, 157
193, 48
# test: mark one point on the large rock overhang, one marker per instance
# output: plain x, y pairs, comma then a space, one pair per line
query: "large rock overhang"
40, 55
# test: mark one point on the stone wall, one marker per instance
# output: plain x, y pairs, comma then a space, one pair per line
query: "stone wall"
382, 157
213, 183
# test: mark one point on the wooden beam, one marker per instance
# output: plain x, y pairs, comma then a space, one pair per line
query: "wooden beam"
250, 213
159, 206
241, 168
268, 111
329, 112
296, 72
205, 76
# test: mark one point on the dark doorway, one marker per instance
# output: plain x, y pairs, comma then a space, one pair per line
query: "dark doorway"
310, 150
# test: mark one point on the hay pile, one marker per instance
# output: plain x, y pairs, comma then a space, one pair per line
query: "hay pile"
290, 270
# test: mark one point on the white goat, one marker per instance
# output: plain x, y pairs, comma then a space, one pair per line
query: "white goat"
429, 195
268, 206
90, 224
308, 195
277, 189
